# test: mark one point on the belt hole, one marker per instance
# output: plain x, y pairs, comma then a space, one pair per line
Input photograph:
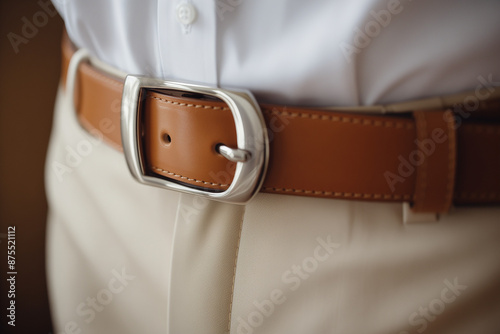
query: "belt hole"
217, 147
166, 139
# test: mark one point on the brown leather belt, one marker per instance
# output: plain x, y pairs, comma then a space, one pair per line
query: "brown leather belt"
432, 153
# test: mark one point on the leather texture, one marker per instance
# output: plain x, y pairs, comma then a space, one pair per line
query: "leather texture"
435, 160
313, 152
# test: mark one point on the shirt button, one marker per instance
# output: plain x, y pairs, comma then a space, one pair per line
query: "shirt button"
186, 13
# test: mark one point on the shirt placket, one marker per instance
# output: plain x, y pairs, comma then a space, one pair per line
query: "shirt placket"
187, 40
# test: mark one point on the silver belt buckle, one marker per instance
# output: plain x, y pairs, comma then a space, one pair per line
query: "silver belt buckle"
251, 156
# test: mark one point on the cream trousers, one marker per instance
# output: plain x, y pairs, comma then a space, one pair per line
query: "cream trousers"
128, 258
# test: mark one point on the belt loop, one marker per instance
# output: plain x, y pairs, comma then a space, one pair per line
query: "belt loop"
435, 159
72, 75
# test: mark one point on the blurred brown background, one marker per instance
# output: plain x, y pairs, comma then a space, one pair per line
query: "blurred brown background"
29, 71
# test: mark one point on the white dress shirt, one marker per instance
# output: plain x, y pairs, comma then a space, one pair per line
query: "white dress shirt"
295, 51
